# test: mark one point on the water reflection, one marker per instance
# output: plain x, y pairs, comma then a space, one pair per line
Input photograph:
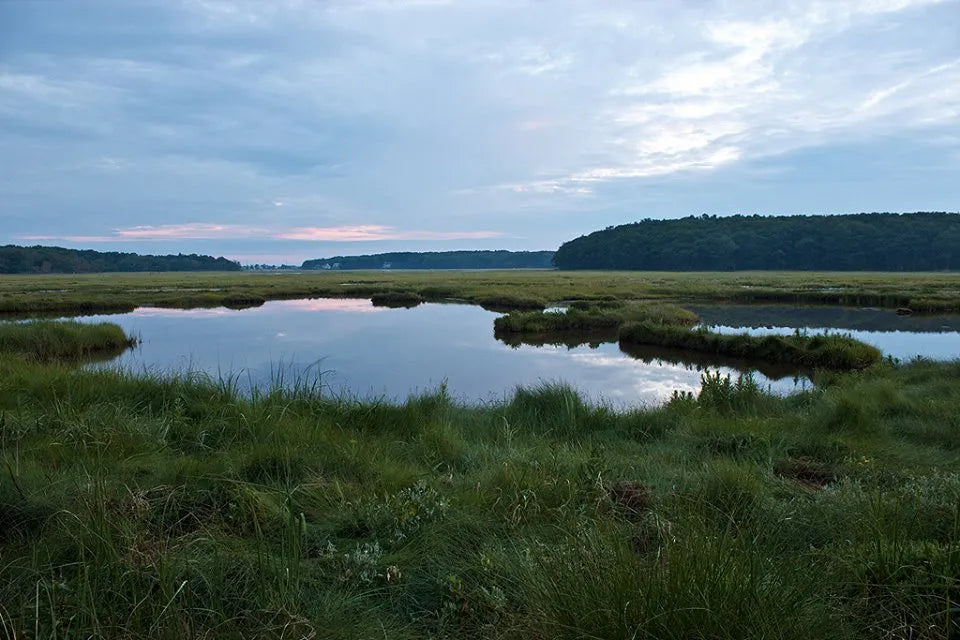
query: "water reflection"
592, 338
845, 318
904, 337
712, 362
352, 347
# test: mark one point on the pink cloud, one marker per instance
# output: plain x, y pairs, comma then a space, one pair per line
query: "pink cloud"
181, 313
373, 232
67, 238
208, 231
193, 231
361, 305
269, 258
358, 233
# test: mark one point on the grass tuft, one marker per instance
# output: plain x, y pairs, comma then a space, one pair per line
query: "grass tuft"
62, 340
827, 351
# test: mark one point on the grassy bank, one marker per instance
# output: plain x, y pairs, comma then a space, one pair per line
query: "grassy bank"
396, 299
172, 507
826, 351
588, 317
710, 361
53, 340
499, 290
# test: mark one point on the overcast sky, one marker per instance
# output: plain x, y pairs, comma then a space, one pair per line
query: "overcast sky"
283, 130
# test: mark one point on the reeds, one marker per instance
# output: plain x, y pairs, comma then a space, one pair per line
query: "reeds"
496, 290
826, 351
183, 506
593, 318
506, 302
396, 299
62, 340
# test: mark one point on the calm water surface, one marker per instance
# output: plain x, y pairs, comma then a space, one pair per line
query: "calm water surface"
930, 336
362, 350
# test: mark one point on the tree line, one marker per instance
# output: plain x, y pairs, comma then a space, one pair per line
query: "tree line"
925, 241
438, 260
15, 259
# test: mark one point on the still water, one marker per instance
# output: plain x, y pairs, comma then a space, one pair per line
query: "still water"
905, 337
357, 349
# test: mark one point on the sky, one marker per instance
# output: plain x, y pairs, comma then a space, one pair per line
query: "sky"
285, 130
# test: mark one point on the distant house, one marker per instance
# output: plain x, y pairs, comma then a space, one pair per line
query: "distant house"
335, 265
386, 265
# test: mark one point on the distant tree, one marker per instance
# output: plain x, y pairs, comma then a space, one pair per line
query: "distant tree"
38, 259
864, 241
438, 260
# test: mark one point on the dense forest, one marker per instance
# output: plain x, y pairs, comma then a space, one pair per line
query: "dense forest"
438, 260
859, 242
14, 259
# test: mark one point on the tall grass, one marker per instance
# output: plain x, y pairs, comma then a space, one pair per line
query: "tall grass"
593, 318
53, 340
828, 351
498, 290
169, 507
399, 299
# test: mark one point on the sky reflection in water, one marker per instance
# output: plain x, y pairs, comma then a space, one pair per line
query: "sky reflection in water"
368, 351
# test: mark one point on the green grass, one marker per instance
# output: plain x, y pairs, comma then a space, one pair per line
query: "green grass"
171, 507
826, 351
506, 302
62, 340
397, 299
585, 322
591, 317
498, 290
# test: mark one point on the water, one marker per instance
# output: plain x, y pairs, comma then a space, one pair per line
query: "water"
905, 337
361, 350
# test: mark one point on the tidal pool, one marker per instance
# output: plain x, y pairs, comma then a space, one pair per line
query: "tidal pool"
904, 337
350, 347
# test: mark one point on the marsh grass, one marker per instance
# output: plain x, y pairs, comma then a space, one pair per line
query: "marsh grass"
827, 351
396, 299
506, 302
181, 506
592, 318
498, 290
62, 340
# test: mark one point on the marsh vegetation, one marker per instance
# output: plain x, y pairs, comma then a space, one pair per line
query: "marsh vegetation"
666, 325
171, 505
58, 340
816, 351
590, 317
502, 290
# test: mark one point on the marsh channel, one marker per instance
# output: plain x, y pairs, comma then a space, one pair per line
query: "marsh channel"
351, 347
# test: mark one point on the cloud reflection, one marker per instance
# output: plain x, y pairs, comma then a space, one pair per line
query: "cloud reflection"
349, 305
353, 305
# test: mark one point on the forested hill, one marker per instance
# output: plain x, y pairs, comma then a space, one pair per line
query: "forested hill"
14, 259
859, 242
438, 260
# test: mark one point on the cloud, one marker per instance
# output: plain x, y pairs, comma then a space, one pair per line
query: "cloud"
80, 239
367, 233
419, 121
195, 231
360, 305
205, 231
198, 231
745, 92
